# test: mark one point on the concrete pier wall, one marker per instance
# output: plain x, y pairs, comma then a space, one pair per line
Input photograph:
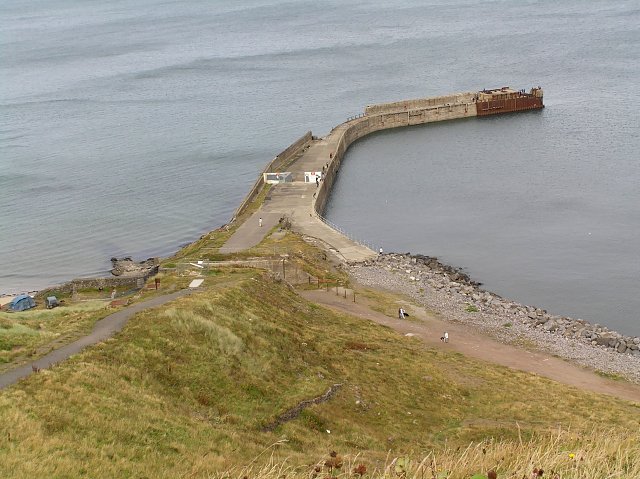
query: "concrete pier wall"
420, 103
391, 115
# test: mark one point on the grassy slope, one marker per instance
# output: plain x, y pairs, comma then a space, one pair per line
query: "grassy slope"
26, 335
29, 335
186, 390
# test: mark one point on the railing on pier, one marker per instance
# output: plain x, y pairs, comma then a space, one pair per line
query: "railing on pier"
334, 226
356, 116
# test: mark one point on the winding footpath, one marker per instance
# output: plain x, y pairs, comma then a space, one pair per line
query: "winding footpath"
102, 330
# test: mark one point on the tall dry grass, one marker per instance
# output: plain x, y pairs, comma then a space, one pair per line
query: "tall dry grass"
600, 454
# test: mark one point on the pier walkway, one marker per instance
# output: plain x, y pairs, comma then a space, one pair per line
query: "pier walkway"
295, 201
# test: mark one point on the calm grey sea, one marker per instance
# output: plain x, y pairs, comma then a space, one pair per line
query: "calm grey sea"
132, 127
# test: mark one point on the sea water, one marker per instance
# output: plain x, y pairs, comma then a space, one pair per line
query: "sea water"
132, 127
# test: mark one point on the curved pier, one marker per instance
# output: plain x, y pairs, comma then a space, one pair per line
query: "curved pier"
297, 195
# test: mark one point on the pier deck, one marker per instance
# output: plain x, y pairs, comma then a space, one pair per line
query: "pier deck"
295, 201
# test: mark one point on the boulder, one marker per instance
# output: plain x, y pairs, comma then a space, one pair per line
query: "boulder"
127, 267
603, 340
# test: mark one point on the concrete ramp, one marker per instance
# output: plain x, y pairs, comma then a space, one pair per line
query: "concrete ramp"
250, 233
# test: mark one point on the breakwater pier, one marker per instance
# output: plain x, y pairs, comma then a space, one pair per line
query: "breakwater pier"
303, 174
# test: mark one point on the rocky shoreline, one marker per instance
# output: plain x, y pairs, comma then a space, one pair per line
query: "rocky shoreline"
451, 292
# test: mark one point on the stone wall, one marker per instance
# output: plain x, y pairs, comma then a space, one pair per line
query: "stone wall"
282, 161
121, 283
421, 103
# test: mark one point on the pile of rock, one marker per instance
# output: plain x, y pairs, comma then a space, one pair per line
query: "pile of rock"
127, 267
429, 272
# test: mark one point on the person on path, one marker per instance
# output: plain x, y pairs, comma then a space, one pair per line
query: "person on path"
400, 313
260, 222
113, 293
446, 337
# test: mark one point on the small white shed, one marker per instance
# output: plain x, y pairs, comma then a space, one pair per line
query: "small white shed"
278, 177
312, 176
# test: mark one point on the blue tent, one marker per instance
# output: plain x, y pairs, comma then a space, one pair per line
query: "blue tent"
22, 302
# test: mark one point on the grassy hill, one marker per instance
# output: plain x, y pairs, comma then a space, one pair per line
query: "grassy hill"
196, 388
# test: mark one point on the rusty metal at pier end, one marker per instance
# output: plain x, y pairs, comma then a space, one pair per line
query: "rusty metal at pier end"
507, 100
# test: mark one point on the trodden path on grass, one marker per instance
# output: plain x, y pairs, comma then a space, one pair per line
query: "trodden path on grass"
103, 329
465, 340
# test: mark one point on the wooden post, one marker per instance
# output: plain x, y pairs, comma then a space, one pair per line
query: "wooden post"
354, 296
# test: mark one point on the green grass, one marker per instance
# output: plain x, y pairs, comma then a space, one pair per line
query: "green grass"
185, 391
28, 334
610, 375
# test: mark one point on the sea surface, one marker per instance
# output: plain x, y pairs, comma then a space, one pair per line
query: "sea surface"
133, 127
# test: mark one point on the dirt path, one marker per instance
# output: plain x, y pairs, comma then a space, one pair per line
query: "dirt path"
103, 329
465, 340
